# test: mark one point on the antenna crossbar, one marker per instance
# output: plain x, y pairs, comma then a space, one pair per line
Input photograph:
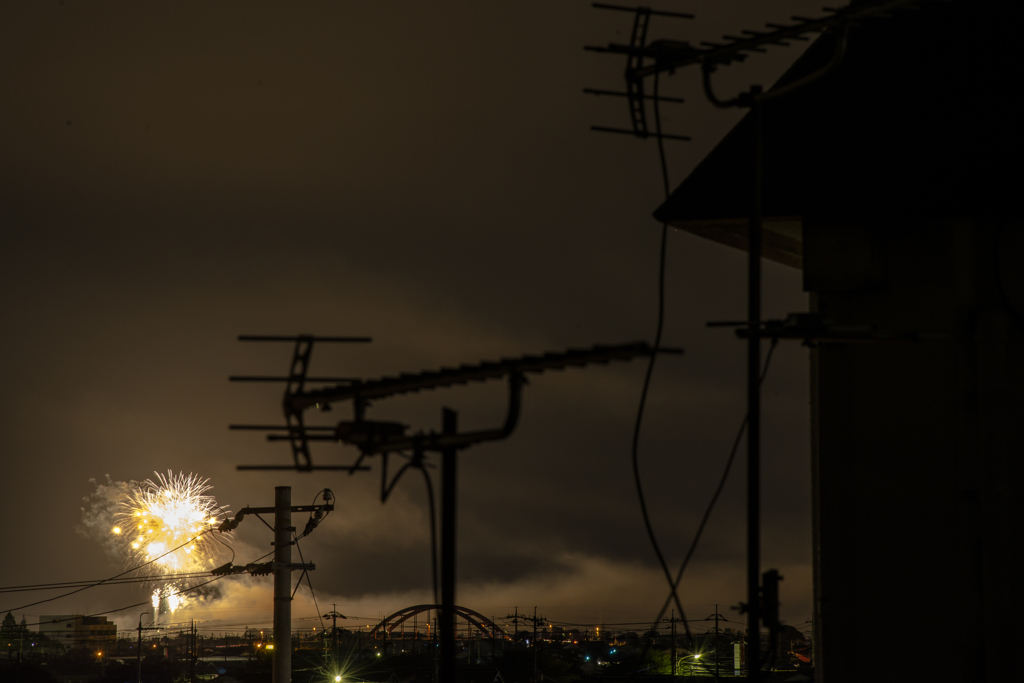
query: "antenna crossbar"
669, 58
410, 383
304, 337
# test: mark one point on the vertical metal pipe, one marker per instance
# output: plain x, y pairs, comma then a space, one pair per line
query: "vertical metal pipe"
282, 659
448, 509
754, 406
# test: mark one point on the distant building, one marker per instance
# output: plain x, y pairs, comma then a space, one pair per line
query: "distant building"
77, 630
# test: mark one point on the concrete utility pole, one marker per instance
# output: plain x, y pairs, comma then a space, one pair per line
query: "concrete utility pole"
138, 654
282, 659
334, 615
716, 642
281, 568
535, 643
193, 655
382, 438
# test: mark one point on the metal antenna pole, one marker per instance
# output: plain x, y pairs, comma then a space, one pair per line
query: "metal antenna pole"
754, 406
448, 482
282, 585
672, 620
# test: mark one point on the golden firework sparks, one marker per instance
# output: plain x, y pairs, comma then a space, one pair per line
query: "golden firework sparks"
166, 524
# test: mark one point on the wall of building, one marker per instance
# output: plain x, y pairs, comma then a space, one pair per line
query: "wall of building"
77, 630
916, 458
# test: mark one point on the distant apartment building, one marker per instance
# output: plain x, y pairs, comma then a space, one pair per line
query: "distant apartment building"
76, 630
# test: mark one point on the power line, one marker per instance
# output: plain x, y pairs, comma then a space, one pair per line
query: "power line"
305, 572
92, 582
121, 609
650, 370
718, 491
98, 583
139, 604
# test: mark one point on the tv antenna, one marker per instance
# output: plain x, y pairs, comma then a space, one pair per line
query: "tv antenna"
651, 59
377, 437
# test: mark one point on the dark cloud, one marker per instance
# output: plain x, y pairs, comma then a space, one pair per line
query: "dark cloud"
422, 175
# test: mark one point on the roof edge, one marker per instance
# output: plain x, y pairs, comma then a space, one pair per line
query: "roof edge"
781, 238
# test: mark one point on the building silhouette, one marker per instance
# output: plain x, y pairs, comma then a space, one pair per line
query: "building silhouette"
894, 184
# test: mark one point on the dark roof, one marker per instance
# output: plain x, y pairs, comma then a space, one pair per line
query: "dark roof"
917, 119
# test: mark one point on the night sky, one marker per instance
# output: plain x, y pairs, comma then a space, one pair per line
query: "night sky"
177, 174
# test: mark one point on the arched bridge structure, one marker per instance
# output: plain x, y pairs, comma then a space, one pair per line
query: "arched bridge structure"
487, 627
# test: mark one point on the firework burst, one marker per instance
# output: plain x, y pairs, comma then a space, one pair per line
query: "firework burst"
167, 526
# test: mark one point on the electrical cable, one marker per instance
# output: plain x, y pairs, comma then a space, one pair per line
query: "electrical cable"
83, 582
310, 525
718, 490
386, 490
308, 582
416, 461
228, 547
99, 583
137, 604
650, 370
90, 582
